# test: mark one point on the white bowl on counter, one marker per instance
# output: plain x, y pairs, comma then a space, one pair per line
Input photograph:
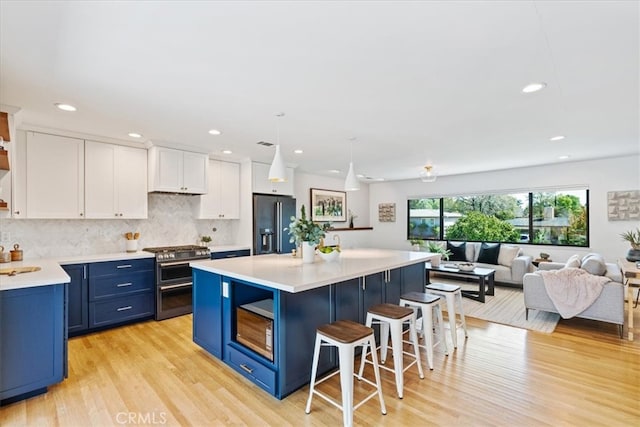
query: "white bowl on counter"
331, 256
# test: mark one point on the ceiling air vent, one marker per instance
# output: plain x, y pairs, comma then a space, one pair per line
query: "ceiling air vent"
265, 143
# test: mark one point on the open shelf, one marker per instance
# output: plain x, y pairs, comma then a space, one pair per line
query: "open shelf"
4, 160
349, 228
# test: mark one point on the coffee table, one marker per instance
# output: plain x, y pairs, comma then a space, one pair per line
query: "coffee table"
485, 278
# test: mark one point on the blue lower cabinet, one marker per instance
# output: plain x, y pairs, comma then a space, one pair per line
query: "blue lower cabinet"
120, 309
78, 299
33, 340
121, 291
252, 369
207, 311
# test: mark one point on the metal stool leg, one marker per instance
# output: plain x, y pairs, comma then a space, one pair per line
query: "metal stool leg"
314, 371
463, 322
345, 354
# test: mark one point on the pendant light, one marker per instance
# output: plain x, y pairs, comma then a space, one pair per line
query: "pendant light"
351, 183
278, 171
428, 175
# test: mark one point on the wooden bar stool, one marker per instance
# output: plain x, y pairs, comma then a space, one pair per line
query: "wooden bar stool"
429, 306
452, 294
391, 318
346, 336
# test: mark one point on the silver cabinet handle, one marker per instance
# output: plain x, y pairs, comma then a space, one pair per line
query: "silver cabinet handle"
246, 368
180, 285
124, 266
125, 308
122, 285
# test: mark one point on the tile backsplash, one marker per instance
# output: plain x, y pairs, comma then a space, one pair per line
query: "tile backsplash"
170, 222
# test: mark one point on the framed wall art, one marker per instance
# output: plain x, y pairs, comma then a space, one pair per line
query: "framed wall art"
328, 205
387, 212
623, 205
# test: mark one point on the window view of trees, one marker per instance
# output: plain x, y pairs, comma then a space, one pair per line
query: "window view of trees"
548, 218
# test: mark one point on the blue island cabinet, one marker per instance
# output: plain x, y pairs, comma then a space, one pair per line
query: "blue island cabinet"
33, 341
295, 318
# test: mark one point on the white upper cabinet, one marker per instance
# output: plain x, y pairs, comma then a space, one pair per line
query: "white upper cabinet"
223, 199
177, 171
54, 181
261, 183
115, 181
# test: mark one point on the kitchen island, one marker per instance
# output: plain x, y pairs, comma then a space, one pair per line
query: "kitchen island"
259, 314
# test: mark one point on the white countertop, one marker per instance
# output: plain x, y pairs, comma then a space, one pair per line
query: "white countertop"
116, 256
50, 274
223, 248
288, 273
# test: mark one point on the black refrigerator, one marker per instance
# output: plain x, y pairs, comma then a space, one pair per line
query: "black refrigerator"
271, 215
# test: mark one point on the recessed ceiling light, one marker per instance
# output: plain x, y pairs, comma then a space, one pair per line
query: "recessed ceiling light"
534, 87
135, 135
334, 171
65, 107
227, 151
215, 132
564, 157
298, 151
556, 138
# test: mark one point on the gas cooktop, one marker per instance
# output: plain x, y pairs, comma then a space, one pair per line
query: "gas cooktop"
174, 248
184, 252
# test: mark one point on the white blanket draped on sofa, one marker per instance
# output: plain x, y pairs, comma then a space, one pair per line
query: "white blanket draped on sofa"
572, 290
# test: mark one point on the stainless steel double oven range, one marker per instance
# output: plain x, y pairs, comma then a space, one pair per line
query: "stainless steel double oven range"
174, 283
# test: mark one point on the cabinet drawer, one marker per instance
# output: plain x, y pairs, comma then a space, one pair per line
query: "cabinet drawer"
121, 309
120, 267
120, 285
252, 369
230, 254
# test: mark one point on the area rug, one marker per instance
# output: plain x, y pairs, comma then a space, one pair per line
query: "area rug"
507, 307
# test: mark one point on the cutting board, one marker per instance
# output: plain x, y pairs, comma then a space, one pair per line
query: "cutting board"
17, 270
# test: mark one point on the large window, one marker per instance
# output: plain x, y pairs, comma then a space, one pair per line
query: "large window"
547, 218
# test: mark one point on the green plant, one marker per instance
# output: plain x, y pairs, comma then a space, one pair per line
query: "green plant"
304, 230
205, 239
633, 237
415, 242
435, 248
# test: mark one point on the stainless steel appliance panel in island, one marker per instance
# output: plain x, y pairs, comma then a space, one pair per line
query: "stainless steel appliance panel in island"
271, 215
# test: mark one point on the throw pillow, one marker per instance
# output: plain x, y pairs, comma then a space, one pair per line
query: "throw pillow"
507, 254
594, 264
573, 262
489, 253
458, 251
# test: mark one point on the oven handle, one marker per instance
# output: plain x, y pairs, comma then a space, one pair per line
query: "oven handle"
180, 285
168, 264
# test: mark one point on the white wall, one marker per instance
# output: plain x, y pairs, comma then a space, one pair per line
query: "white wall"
357, 202
600, 176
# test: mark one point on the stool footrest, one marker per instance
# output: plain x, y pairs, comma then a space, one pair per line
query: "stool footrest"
332, 401
386, 368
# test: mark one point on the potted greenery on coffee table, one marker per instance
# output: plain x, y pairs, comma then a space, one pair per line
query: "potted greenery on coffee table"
435, 248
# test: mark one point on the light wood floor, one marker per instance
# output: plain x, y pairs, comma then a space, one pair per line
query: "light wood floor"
152, 373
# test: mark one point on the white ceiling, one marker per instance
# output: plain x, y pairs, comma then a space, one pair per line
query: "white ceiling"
415, 82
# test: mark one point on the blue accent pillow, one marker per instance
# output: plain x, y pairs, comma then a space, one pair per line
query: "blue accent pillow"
489, 253
458, 251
